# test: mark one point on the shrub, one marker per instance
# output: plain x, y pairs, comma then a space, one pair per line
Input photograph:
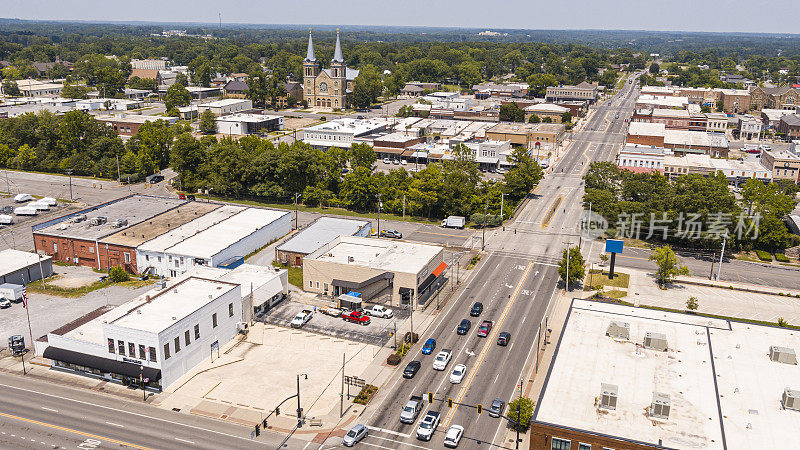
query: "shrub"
692, 304
407, 337
117, 274
782, 322
366, 394
393, 359
764, 256
133, 177
781, 257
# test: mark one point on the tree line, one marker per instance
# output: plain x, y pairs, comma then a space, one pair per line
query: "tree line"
666, 209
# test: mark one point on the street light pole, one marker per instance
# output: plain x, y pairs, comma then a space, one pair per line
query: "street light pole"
69, 172
300, 411
379, 214
721, 254
296, 196
485, 212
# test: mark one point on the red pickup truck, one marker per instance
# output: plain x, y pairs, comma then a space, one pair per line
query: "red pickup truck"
485, 328
356, 317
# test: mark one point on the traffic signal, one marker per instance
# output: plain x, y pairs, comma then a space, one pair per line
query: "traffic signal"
258, 430
264, 424
449, 402
430, 397
278, 411
479, 407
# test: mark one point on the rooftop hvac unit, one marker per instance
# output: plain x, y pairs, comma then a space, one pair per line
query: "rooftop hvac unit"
119, 223
608, 396
655, 341
79, 218
782, 355
659, 408
619, 330
791, 399
99, 220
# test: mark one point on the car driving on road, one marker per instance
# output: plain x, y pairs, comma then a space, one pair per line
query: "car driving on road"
442, 358
453, 436
458, 373
411, 369
355, 434
463, 327
394, 234
429, 346
497, 407
476, 310
485, 328
503, 338
428, 425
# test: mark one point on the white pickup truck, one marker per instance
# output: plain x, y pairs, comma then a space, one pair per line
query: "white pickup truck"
301, 318
379, 311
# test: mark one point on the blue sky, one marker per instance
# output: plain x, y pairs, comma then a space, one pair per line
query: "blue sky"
775, 16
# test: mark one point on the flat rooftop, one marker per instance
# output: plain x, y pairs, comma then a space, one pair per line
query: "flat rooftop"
134, 209
160, 224
224, 102
249, 118
724, 390
171, 304
319, 233
189, 229
13, 260
377, 254
218, 237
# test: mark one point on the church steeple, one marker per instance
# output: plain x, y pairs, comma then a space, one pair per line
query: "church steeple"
310, 52
337, 54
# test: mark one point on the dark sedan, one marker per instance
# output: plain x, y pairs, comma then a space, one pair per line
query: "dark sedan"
476, 310
463, 327
503, 338
411, 369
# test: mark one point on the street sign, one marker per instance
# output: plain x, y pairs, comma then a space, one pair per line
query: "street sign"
354, 381
614, 245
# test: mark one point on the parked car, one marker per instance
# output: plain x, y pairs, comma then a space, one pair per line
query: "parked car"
301, 318
155, 178
503, 339
454, 222
428, 426
453, 436
6, 219
485, 328
356, 317
442, 358
50, 201
458, 373
476, 310
394, 234
5, 303
387, 161
497, 407
355, 434
21, 198
396, 161
411, 369
412, 409
403, 162
463, 327
429, 346
380, 311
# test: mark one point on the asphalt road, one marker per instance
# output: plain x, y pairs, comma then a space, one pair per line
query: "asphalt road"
36, 414
515, 281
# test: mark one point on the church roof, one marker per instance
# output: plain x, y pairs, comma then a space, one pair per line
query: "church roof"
337, 54
310, 52
349, 73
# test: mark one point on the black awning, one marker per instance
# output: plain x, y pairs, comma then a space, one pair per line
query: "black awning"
101, 364
427, 283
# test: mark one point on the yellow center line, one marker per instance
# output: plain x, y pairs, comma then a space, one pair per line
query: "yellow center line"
488, 344
70, 430
550, 212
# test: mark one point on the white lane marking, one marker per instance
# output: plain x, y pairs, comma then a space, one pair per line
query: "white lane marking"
523, 319
496, 377
384, 430
115, 424
219, 433
511, 346
309, 443
49, 409
398, 442
190, 442
375, 445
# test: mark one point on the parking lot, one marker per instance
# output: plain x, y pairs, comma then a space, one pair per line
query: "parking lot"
378, 332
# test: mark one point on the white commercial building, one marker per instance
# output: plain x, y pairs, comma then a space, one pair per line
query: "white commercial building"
226, 106
161, 335
211, 239
642, 158
243, 123
749, 127
342, 132
635, 378
149, 64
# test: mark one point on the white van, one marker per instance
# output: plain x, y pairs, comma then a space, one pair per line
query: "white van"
26, 211
50, 201
40, 206
19, 198
5, 219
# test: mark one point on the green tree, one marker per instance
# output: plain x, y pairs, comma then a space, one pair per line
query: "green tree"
176, 96
362, 155
692, 304
367, 87
720, 105
523, 176
566, 117
208, 122
522, 417
654, 69
10, 88
667, 265
359, 190
148, 84
577, 271
117, 274
547, 119
258, 89
181, 78
74, 91
534, 119
511, 112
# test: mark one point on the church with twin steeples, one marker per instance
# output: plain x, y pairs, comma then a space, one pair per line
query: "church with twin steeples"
327, 88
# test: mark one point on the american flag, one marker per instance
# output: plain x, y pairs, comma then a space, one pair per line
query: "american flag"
24, 295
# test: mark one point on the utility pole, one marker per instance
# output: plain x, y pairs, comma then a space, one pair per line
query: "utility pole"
69, 172
485, 212
404, 207
296, 196
119, 177
721, 254
379, 214
41, 272
502, 199
8, 185
300, 411
341, 393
